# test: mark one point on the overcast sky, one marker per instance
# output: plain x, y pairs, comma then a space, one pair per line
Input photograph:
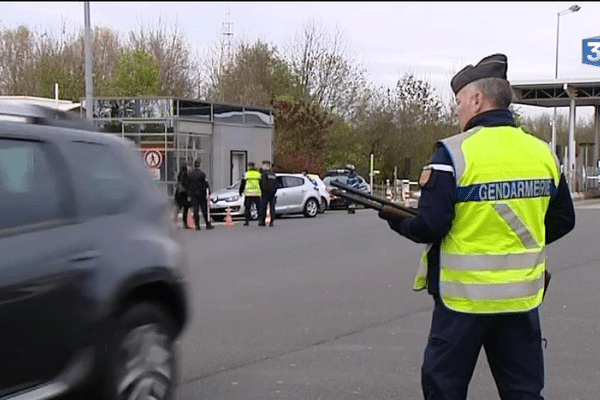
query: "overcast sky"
431, 40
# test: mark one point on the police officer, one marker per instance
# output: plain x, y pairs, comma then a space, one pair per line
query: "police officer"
250, 188
181, 194
492, 199
198, 189
352, 181
268, 187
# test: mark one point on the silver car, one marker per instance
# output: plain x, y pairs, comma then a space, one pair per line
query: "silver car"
230, 197
296, 194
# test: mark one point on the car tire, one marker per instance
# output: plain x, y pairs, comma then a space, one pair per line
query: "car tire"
142, 361
311, 208
322, 205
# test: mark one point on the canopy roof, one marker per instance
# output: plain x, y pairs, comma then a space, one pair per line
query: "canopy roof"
553, 93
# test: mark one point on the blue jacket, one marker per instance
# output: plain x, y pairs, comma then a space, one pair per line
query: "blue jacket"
436, 205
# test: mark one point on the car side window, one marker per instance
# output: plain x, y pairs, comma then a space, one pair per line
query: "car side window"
293, 181
105, 186
280, 182
31, 188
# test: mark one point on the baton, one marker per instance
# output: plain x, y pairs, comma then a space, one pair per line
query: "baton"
366, 199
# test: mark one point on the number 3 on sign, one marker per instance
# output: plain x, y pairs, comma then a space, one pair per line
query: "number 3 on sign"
591, 51
595, 46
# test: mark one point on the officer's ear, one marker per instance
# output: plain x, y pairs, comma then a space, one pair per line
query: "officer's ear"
478, 101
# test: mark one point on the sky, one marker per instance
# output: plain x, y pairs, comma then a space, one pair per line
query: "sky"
431, 40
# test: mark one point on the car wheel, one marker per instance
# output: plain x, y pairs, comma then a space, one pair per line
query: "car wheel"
311, 208
142, 363
322, 205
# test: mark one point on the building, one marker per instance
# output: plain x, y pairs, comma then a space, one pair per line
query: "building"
169, 131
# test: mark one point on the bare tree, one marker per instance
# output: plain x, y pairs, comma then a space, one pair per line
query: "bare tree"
325, 70
16, 56
171, 50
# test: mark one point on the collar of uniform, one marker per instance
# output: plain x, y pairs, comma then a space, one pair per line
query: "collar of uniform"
497, 117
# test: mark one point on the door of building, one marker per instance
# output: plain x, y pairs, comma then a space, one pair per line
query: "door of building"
238, 165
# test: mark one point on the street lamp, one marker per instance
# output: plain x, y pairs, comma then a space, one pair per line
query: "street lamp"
573, 8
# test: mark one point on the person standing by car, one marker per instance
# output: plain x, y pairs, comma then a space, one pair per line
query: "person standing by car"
181, 194
492, 199
250, 189
352, 182
198, 189
269, 190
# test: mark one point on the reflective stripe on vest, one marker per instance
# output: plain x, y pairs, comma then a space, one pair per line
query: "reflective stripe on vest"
252, 186
493, 258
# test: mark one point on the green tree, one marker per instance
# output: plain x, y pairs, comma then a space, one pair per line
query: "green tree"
137, 74
300, 131
256, 75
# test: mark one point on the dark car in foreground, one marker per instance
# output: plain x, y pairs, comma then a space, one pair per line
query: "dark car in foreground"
92, 291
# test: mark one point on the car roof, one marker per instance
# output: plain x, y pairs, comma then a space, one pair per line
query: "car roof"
36, 114
56, 133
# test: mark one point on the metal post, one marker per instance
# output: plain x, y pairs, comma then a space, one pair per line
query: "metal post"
553, 139
572, 144
89, 100
371, 173
573, 8
596, 136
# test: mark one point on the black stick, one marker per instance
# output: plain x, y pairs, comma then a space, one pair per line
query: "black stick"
362, 194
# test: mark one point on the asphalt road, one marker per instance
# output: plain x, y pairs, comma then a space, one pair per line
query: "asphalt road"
322, 308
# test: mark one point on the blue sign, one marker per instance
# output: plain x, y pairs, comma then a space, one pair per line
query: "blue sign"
591, 51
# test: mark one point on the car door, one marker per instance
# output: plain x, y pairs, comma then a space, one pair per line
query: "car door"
290, 195
43, 268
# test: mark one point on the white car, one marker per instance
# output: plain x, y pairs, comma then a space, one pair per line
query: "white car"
296, 194
323, 192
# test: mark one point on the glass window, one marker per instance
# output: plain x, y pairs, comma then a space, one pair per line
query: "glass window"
30, 189
105, 186
292, 181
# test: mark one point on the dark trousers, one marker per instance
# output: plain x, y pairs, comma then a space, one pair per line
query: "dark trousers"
181, 201
266, 201
200, 203
512, 343
248, 201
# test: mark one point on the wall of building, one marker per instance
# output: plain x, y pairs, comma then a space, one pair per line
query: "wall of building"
255, 140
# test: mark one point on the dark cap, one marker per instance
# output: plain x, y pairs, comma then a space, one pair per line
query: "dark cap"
197, 164
493, 66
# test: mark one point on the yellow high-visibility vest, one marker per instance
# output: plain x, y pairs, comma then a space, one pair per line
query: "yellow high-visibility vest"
493, 258
252, 186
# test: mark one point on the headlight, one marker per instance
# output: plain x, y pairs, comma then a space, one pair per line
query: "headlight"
229, 199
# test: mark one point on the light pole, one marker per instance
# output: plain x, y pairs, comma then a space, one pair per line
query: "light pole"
89, 101
573, 8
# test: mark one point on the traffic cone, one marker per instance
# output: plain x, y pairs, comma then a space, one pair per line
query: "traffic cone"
268, 217
228, 220
190, 220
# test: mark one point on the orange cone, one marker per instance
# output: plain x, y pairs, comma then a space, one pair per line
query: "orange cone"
268, 217
228, 220
190, 220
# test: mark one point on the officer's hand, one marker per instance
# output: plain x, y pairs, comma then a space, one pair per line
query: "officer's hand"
393, 214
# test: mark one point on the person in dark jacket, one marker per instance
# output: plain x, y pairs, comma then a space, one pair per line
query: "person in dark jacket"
181, 194
268, 187
198, 189
492, 199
